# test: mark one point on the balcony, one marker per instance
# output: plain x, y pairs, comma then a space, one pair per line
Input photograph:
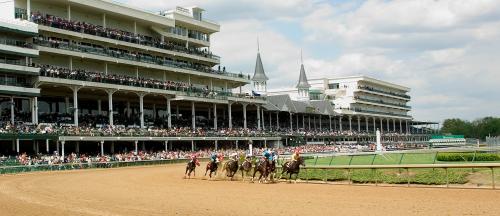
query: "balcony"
17, 47
17, 67
370, 89
10, 86
124, 36
177, 88
148, 60
382, 102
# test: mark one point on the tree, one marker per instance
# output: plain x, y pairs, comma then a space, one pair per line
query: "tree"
479, 128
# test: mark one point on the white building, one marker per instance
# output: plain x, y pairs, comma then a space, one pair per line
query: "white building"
361, 103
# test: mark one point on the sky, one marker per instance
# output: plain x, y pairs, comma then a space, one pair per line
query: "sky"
446, 51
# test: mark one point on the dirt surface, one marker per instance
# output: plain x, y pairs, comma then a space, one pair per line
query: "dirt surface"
161, 190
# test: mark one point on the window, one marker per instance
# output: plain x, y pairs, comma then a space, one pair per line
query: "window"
333, 86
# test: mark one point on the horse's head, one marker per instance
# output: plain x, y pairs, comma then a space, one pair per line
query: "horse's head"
302, 161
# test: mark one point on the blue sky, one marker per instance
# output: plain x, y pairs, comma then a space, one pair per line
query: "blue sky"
446, 51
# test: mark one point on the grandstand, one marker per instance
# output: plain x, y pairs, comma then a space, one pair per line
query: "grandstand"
103, 76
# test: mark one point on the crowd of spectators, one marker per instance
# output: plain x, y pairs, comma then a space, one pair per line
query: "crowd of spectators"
85, 47
93, 76
116, 34
118, 130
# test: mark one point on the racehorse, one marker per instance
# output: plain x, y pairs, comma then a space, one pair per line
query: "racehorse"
263, 168
231, 167
245, 167
272, 170
191, 167
293, 168
212, 166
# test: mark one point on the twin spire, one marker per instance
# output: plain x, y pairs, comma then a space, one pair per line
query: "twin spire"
260, 75
303, 83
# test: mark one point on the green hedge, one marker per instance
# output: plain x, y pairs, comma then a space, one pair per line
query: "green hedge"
469, 156
390, 176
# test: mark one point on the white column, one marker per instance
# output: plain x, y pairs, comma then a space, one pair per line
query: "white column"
374, 124
320, 123
47, 146
400, 126
366, 121
28, 9
141, 109
193, 116
394, 125
388, 127
277, 120
35, 110
75, 104
216, 145
17, 146
245, 116
99, 107
258, 117
169, 114
106, 68
77, 147
263, 121
110, 105
135, 27
102, 147
350, 123
215, 116
340, 123
230, 115
69, 12
12, 114
330, 122
62, 148
359, 124
135, 146
166, 145
192, 145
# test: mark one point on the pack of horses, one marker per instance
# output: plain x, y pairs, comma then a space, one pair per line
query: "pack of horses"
266, 169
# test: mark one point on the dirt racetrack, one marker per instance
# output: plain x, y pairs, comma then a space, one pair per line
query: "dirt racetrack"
161, 190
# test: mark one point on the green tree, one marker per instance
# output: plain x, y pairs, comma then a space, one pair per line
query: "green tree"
479, 128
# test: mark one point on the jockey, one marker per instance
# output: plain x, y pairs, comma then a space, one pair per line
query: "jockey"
195, 159
296, 155
266, 154
233, 156
213, 158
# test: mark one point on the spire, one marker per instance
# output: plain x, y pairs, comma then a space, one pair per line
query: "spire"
259, 75
303, 83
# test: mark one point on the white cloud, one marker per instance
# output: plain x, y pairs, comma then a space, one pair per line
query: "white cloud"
446, 51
